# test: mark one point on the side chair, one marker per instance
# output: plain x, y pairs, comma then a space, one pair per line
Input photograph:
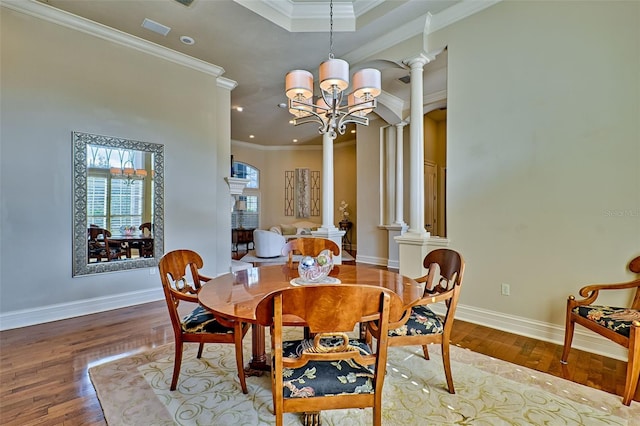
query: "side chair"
331, 370
618, 324
423, 327
308, 247
181, 282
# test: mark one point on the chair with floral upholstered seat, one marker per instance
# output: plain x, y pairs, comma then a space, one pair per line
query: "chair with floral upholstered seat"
619, 324
181, 283
423, 326
331, 370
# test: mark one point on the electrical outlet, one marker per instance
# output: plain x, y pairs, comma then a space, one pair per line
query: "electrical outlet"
152, 271
505, 290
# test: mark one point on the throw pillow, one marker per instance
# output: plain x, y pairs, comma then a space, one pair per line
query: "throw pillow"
303, 231
276, 229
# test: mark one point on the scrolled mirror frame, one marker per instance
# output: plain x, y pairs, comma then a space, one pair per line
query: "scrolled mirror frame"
80, 248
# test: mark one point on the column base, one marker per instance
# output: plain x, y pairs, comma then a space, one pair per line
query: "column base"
412, 250
333, 234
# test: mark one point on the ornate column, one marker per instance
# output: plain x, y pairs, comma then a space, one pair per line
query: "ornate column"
399, 178
328, 228
412, 244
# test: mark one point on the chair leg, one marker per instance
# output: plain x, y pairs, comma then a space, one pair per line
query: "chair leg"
633, 366
568, 338
200, 348
446, 361
177, 362
425, 351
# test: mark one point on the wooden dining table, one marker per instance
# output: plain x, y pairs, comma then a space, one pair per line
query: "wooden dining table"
236, 295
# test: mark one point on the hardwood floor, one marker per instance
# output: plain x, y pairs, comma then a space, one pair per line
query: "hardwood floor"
44, 369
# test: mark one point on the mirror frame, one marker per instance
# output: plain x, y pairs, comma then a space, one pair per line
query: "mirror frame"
80, 247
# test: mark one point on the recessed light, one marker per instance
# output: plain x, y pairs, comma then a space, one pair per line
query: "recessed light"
282, 105
239, 109
295, 140
187, 40
251, 136
353, 131
290, 121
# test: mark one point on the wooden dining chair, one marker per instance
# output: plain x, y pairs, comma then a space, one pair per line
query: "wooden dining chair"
331, 370
619, 324
99, 247
181, 282
308, 247
423, 327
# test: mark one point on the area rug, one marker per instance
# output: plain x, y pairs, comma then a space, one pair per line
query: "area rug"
135, 391
281, 260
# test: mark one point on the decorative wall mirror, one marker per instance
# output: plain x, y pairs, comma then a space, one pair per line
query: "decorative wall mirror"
118, 204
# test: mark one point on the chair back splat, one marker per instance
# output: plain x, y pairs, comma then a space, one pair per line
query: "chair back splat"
618, 324
181, 282
421, 326
309, 247
331, 370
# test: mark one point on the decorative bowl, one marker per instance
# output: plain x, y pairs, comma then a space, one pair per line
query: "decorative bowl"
316, 269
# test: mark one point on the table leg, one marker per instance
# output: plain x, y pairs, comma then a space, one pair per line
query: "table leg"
258, 363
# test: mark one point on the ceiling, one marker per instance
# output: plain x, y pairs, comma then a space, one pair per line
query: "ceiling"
258, 41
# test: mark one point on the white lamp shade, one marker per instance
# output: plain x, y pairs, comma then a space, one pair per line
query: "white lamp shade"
334, 72
366, 82
299, 83
322, 106
356, 103
241, 205
301, 110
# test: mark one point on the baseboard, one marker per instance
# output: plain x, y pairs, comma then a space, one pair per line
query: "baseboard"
370, 260
582, 339
43, 314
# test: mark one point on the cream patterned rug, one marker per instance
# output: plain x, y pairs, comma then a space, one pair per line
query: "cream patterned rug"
135, 391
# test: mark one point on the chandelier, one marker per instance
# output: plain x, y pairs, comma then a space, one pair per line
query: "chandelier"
330, 111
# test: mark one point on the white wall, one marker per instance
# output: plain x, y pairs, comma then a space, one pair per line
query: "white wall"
543, 151
56, 80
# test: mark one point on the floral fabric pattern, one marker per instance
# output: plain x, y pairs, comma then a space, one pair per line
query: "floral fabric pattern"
201, 320
320, 378
616, 319
422, 321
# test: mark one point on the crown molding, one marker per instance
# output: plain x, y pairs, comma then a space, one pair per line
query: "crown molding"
69, 20
456, 13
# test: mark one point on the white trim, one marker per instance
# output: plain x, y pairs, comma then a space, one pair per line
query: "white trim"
371, 260
69, 20
582, 339
60, 311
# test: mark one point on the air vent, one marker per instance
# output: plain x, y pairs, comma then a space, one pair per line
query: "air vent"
155, 27
406, 79
185, 2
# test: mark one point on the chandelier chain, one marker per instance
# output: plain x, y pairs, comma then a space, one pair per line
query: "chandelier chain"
331, 29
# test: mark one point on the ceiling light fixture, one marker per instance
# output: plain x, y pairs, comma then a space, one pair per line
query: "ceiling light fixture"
329, 111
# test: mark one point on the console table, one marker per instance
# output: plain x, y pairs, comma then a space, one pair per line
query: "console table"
242, 236
346, 225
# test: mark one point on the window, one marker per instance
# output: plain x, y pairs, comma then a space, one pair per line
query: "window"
246, 171
249, 218
246, 212
115, 188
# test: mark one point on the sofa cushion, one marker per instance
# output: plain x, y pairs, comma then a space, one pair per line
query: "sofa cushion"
288, 229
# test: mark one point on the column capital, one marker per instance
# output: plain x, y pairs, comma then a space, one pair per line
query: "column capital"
417, 62
401, 124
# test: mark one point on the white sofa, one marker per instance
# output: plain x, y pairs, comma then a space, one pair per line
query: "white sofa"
267, 243
295, 229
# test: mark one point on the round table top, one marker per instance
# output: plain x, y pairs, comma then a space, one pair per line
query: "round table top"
236, 295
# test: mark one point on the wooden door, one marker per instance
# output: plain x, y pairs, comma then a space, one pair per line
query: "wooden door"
430, 198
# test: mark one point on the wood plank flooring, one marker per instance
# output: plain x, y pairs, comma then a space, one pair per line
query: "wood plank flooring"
44, 369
